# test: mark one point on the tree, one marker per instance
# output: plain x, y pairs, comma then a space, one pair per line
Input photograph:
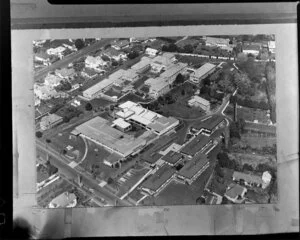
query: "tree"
110, 181
105, 58
66, 119
88, 107
200, 200
117, 165
234, 131
48, 140
188, 48
223, 159
107, 46
133, 54
179, 79
247, 167
114, 63
182, 92
79, 44
64, 151
206, 81
38, 134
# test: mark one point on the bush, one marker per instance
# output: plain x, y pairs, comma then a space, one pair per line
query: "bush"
88, 107
38, 134
79, 44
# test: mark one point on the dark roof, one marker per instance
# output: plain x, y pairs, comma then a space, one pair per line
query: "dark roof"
172, 157
210, 123
193, 166
151, 158
155, 181
234, 190
195, 145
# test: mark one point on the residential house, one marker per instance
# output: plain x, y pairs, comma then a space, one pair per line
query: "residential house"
202, 72
50, 121
271, 46
58, 51
151, 51
114, 54
197, 101
64, 200
251, 49
235, 193
219, 42
44, 92
95, 63
89, 73
42, 57
253, 180
66, 73
120, 44
52, 80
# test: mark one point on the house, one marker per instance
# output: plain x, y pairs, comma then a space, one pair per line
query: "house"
219, 42
50, 121
42, 57
251, 49
253, 180
112, 160
151, 51
89, 73
120, 44
138, 39
44, 92
52, 80
114, 54
202, 72
197, 101
161, 62
64, 200
193, 169
271, 46
95, 63
58, 51
66, 73
37, 101
235, 193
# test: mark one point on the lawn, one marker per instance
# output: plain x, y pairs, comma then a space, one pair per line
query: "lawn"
192, 60
98, 103
251, 114
257, 142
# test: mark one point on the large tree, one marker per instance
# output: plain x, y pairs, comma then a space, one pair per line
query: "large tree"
79, 43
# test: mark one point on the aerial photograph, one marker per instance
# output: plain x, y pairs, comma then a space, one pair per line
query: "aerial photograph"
155, 121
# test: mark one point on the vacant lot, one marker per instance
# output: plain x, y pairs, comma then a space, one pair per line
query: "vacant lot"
258, 142
253, 159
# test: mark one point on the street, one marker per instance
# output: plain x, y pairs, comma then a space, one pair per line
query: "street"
61, 162
71, 58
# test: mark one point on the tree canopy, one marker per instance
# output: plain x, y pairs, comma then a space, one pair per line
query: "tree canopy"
79, 43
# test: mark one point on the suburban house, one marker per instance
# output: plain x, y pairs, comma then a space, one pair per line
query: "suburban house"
193, 168
151, 51
114, 54
42, 57
52, 80
64, 200
251, 49
95, 63
50, 121
112, 160
271, 46
89, 73
197, 101
120, 44
253, 180
66, 73
202, 72
235, 193
218, 42
44, 92
56, 51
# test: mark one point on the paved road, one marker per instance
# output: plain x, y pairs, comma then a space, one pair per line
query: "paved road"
61, 162
70, 58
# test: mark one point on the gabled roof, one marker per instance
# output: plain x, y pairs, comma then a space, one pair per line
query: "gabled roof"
192, 167
204, 69
209, 123
195, 145
155, 181
234, 190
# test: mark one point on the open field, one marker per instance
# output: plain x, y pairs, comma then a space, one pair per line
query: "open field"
253, 159
257, 142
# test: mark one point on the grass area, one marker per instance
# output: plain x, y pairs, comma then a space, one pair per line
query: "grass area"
251, 114
98, 103
253, 159
192, 60
257, 142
